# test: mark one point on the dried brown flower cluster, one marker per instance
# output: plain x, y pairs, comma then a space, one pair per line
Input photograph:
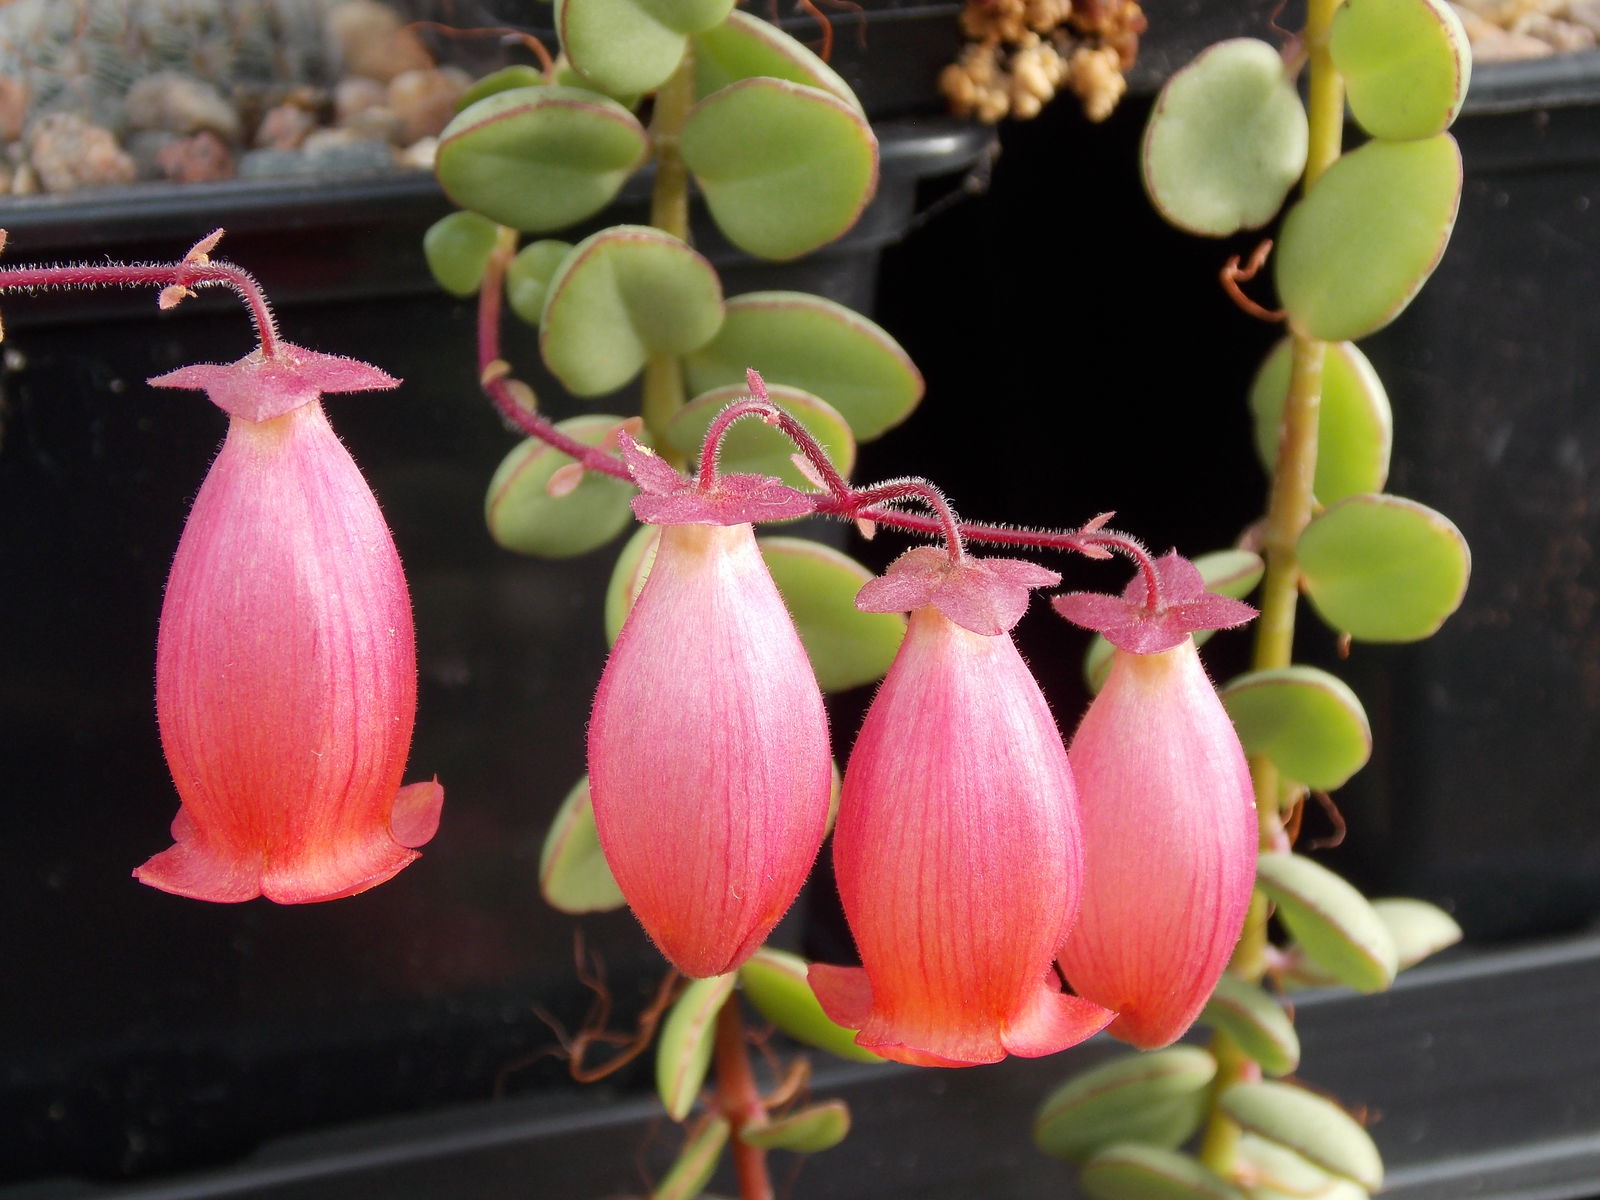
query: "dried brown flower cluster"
1020, 53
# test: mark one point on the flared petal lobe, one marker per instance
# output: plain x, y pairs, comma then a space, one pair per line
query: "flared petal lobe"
708, 752
958, 858
1170, 844
286, 678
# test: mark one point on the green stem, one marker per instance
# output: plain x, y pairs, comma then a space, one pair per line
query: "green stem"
663, 390
1289, 509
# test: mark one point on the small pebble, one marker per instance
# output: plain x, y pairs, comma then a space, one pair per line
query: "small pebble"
69, 152
354, 94
13, 108
284, 127
1564, 36
371, 39
201, 158
181, 104
420, 153
426, 100
145, 147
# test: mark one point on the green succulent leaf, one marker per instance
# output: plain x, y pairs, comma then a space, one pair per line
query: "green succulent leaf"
1382, 568
1316, 1129
774, 981
1278, 1173
631, 46
758, 448
457, 248
745, 47
847, 647
1333, 923
683, 1050
784, 168
1308, 722
519, 75
813, 344
627, 577
1355, 426
697, 1162
1419, 929
1406, 65
1132, 1171
1256, 1022
621, 295
539, 158
573, 875
816, 1127
522, 514
1226, 140
1157, 1098
1232, 573
1365, 238
528, 277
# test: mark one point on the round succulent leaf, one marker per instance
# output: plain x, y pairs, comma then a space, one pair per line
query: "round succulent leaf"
683, 1050
774, 981
632, 568
573, 875
522, 514
1355, 426
1333, 923
1362, 242
847, 647
805, 1131
1277, 1173
626, 47
1256, 1022
1419, 929
1131, 1171
746, 47
621, 295
518, 75
1406, 65
457, 249
784, 168
539, 158
1156, 1098
1315, 1128
528, 277
756, 448
1226, 140
1231, 573
1308, 722
1383, 568
697, 1162
808, 342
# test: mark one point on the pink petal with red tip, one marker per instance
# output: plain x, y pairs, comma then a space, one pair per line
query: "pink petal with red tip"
1169, 830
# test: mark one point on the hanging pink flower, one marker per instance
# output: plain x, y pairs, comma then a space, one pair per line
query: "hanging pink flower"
957, 849
709, 765
1169, 819
285, 668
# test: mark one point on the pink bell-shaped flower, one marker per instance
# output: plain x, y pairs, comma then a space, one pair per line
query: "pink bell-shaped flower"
1169, 821
286, 681
957, 848
709, 765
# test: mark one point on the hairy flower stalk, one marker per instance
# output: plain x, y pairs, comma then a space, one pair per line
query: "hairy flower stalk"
709, 764
285, 666
957, 849
1169, 821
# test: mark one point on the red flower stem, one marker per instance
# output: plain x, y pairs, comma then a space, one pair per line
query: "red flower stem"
912, 488
740, 1101
178, 274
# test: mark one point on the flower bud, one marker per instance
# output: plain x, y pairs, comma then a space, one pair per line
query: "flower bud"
285, 666
958, 859
709, 765
1169, 833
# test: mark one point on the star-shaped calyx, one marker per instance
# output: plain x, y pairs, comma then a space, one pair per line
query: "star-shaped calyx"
668, 498
259, 387
985, 595
1131, 622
